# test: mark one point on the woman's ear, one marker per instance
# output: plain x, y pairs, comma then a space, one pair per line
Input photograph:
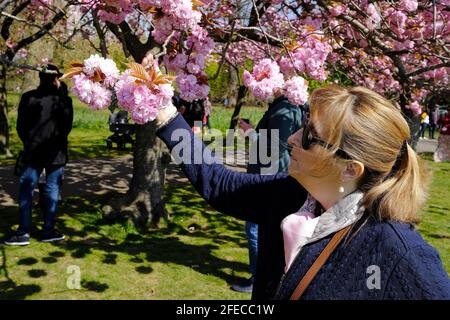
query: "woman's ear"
353, 170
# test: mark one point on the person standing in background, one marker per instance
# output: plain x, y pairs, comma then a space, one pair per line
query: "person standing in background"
44, 122
434, 119
287, 119
442, 153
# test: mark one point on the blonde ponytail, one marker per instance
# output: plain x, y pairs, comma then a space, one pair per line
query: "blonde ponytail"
401, 194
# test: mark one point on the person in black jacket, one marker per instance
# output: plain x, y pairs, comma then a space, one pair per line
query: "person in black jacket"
285, 119
43, 124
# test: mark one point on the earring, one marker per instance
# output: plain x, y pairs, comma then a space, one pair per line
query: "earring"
341, 189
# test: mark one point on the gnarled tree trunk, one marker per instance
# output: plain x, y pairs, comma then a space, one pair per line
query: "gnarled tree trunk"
144, 200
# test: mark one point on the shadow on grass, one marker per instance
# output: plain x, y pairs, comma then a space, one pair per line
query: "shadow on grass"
88, 234
94, 286
9, 289
12, 291
37, 273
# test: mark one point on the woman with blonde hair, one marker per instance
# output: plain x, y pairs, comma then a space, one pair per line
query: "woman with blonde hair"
340, 224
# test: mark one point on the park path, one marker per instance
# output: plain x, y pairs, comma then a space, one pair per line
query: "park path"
102, 175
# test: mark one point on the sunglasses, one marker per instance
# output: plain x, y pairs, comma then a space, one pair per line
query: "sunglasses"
309, 139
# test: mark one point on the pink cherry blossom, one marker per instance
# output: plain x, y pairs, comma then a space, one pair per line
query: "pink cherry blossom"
265, 80
408, 5
190, 88
415, 107
106, 66
142, 102
296, 90
91, 93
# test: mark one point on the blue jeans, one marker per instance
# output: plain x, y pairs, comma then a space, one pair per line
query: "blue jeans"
251, 229
28, 182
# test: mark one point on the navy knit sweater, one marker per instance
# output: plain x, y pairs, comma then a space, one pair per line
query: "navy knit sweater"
382, 260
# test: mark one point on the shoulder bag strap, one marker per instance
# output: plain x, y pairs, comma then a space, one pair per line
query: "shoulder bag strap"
320, 261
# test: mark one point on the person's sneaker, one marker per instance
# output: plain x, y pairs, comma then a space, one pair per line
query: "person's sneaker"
18, 240
244, 286
52, 236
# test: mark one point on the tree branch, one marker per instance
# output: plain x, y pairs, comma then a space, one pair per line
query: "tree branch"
429, 68
100, 33
165, 44
130, 41
116, 31
224, 52
5, 60
43, 31
8, 21
9, 16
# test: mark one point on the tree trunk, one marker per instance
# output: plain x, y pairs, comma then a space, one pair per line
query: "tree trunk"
233, 86
414, 127
413, 121
144, 200
241, 93
4, 128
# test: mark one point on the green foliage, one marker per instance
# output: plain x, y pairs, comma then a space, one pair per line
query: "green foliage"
219, 86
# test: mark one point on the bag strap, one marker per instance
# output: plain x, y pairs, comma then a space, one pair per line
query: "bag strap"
320, 261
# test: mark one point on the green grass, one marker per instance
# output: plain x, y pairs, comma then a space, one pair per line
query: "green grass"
435, 225
196, 255
220, 116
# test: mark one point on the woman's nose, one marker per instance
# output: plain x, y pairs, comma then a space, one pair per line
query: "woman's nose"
294, 139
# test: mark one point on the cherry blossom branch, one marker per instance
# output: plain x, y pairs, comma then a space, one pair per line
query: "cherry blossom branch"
8, 21
266, 35
100, 33
59, 16
262, 30
434, 19
224, 52
165, 44
430, 68
294, 10
5, 60
256, 43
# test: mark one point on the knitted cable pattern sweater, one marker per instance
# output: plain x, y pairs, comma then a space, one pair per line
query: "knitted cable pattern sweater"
383, 260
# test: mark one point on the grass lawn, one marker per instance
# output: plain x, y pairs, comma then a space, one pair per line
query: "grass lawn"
435, 225
196, 255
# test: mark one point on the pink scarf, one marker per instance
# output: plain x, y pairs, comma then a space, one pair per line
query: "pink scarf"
297, 228
303, 227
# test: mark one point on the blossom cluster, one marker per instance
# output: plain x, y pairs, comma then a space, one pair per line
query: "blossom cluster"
141, 89
93, 80
267, 81
189, 64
